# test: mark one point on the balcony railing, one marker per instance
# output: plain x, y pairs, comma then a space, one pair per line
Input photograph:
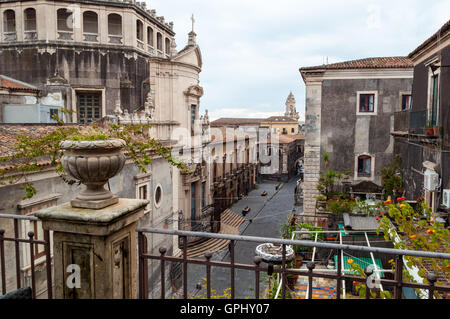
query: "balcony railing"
31, 243
341, 275
417, 122
401, 121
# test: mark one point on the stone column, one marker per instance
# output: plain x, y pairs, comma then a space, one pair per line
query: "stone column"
100, 243
312, 146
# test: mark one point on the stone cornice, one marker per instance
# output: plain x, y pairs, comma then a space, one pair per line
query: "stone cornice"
317, 76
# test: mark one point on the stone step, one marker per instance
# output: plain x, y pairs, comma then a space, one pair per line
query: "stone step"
229, 225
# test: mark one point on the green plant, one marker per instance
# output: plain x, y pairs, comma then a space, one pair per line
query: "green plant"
321, 198
421, 232
30, 150
326, 159
340, 206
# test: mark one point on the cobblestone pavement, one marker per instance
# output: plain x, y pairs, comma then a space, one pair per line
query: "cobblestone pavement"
265, 219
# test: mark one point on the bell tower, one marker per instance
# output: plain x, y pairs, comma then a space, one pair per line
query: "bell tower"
290, 107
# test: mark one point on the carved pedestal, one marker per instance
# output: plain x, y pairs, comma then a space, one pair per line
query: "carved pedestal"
95, 252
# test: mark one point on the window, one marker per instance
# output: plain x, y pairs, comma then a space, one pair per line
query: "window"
158, 195
406, 101
292, 130
284, 130
203, 194
193, 113
89, 107
53, 115
366, 102
90, 22
159, 43
114, 24
149, 36
434, 100
65, 20
139, 30
143, 192
167, 44
29, 19
9, 21
364, 165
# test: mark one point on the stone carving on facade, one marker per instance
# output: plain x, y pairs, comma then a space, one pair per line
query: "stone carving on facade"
143, 117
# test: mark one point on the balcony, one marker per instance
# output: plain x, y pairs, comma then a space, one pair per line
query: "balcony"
401, 121
412, 125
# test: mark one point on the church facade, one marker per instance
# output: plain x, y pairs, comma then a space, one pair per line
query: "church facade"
110, 61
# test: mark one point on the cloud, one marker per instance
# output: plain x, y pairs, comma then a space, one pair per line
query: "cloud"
252, 49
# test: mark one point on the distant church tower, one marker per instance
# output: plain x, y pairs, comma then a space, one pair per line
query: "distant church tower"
290, 107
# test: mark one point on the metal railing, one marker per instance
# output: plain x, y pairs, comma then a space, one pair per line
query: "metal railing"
32, 244
341, 275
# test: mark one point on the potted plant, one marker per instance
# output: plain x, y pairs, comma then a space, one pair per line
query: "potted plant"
93, 163
436, 130
429, 129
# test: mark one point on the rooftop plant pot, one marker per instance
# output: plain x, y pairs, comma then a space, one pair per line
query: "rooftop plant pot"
93, 163
436, 130
429, 131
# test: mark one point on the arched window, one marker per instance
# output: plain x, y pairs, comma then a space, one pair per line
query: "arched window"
364, 165
114, 24
65, 20
29, 19
159, 43
150, 36
9, 21
139, 30
90, 22
167, 45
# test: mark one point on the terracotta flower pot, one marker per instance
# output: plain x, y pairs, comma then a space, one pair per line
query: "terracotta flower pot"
429, 131
436, 130
93, 163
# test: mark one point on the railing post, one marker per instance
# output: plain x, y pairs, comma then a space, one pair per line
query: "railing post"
368, 271
398, 277
163, 251
94, 247
208, 256
432, 278
141, 265
257, 260
231, 248
339, 274
185, 286
310, 267
2, 260
33, 279
283, 274
48, 260
16, 246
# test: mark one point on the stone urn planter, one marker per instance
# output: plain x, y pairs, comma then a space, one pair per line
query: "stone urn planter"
93, 163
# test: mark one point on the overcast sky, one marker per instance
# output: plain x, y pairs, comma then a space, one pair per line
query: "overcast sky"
252, 49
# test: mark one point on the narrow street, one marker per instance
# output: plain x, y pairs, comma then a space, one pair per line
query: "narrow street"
265, 219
